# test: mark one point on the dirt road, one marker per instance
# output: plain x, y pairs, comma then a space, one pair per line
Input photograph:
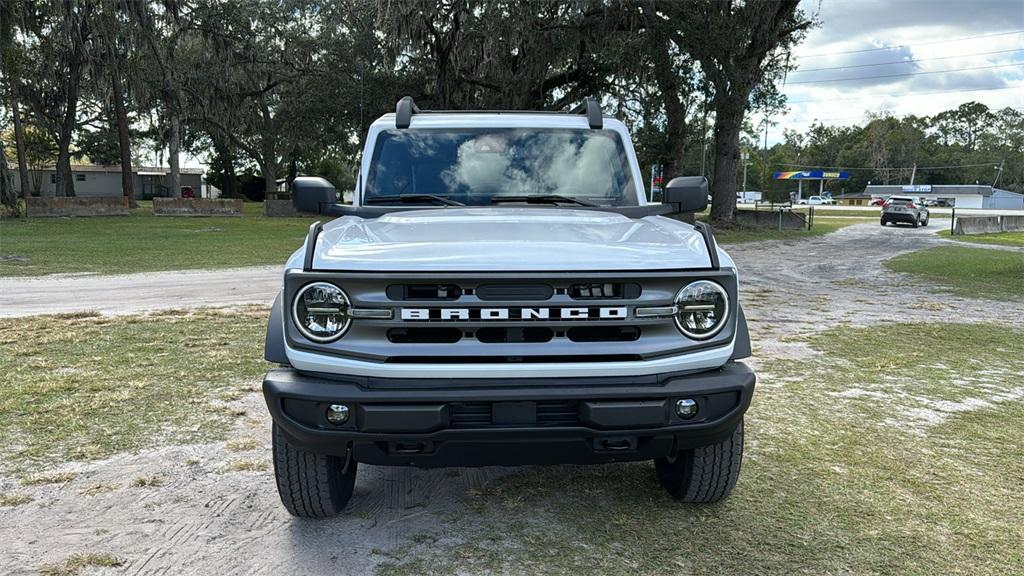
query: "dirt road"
206, 519
127, 293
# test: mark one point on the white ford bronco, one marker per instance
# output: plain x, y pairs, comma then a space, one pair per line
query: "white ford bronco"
500, 292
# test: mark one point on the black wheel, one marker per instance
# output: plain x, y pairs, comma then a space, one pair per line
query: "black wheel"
916, 222
925, 221
883, 221
703, 475
311, 485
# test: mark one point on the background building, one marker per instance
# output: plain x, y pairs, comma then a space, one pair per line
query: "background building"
958, 195
94, 180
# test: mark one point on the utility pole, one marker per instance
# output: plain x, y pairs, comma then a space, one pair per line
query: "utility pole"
999, 172
913, 173
745, 156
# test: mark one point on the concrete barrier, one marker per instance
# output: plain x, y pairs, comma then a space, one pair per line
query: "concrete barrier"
1013, 223
967, 225
59, 206
273, 208
197, 207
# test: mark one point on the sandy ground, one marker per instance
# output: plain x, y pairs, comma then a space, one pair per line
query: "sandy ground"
206, 519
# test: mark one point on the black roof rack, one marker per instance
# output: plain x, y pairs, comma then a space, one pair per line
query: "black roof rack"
406, 107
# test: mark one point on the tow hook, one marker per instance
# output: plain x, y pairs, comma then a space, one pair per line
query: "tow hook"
618, 444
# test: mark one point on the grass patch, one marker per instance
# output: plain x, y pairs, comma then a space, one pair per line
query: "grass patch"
1001, 238
821, 227
967, 272
75, 563
10, 499
147, 481
243, 444
248, 465
41, 478
143, 242
838, 477
82, 387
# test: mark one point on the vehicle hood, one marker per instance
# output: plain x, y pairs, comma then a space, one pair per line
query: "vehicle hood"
507, 239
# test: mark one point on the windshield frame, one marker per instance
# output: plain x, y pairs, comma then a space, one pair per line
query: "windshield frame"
632, 191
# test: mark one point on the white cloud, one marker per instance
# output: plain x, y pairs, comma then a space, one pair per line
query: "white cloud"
915, 36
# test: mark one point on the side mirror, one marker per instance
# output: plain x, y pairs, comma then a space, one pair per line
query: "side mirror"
688, 193
313, 194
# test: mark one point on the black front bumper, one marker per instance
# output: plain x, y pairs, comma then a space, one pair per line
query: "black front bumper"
453, 422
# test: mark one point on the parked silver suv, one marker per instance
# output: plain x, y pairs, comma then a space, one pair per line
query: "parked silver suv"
905, 209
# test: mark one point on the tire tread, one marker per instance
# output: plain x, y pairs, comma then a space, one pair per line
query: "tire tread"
311, 485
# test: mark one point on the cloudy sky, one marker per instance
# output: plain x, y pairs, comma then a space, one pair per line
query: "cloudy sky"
861, 56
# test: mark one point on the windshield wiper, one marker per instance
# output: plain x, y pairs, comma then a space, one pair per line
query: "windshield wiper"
541, 199
412, 198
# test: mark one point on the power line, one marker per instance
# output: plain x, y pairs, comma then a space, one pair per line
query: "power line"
887, 114
906, 61
908, 74
887, 168
907, 94
949, 40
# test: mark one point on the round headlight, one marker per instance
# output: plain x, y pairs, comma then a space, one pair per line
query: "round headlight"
703, 307
321, 312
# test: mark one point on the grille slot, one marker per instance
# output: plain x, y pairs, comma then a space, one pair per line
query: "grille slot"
604, 290
424, 335
439, 292
479, 414
603, 334
522, 292
514, 335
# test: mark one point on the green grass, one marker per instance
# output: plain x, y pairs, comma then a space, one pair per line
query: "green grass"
821, 226
143, 242
80, 387
856, 462
819, 212
75, 563
1002, 238
967, 272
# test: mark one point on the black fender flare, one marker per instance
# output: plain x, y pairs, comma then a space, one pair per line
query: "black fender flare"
273, 346
741, 345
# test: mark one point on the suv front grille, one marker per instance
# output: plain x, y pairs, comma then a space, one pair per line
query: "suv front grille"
480, 414
507, 318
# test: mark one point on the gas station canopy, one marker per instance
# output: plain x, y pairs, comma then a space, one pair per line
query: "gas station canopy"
813, 175
819, 175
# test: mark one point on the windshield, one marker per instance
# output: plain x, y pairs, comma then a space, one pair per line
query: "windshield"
481, 166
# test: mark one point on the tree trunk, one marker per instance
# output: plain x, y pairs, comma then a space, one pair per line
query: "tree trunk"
123, 142
174, 149
269, 180
728, 121
19, 145
63, 178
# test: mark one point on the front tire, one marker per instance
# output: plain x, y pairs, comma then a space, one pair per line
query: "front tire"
883, 222
703, 475
925, 221
311, 485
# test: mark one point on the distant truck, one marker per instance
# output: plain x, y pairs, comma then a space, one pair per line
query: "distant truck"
748, 197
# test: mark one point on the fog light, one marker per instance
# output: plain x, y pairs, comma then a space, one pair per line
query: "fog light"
337, 414
686, 408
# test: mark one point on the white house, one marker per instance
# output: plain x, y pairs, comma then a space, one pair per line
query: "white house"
96, 180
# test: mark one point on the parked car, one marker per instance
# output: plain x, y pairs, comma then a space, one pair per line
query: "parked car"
877, 201
463, 317
818, 201
905, 209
